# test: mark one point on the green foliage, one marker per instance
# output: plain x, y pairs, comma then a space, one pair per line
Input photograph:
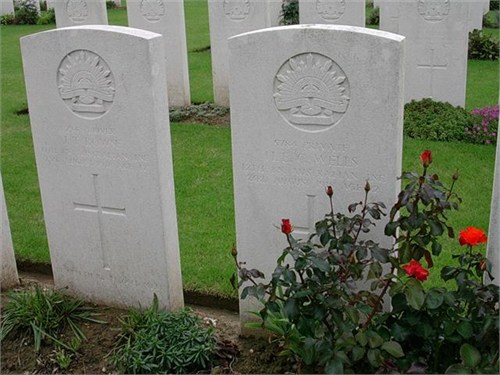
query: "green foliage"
439, 121
110, 4
155, 341
7, 19
494, 4
482, 46
43, 314
491, 20
201, 111
373, 16
26, 12
289, 12
48, 17
324, 297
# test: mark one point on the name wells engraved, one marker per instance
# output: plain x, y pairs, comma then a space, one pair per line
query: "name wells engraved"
434, 10
330, 9
77, 10
236, 10
152, 10
311, 92
86, 84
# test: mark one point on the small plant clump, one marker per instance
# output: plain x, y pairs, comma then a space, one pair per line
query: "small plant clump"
437, 121
202, 112
289, 14
42, 314
156, 341
482, 46
26, 12
485, 128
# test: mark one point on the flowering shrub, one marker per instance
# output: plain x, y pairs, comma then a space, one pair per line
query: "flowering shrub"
485, 128
325, 298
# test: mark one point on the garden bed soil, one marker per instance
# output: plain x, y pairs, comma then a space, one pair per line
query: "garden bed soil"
235, 355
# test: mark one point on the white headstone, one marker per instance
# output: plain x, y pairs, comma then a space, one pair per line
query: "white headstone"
437, 33
166, 17
51, 4
335, 12
229, 18
274, 11
80, 12
494, 231
311, 106
101, 136
477, 11
9, 276
6, 7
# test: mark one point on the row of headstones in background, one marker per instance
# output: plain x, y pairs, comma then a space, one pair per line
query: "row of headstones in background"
334, 12
323, 105
160, 16
8, 276
437, 38
101, 137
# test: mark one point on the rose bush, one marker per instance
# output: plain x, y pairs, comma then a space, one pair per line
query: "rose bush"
325, 298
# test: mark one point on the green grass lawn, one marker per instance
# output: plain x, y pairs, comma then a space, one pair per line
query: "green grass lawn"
202, 163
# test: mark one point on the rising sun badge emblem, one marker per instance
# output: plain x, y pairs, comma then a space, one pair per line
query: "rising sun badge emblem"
311, 92
86, 84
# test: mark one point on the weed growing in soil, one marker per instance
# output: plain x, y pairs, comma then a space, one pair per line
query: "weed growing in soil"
156, 341
43, 314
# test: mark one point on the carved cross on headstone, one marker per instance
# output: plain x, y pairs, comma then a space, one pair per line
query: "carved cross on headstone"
432, 65
100, 210
307, 231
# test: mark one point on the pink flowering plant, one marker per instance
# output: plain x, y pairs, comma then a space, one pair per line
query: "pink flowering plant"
485, 128
325, 299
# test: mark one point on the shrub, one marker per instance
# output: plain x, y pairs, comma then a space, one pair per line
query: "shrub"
43, 6
482, 47
155, 341
26, 12
48, 17
485, 127
289, 12
7, 19
43, 314
324, 298
491, 20
110, 4
439, 121
494, 4
373, 16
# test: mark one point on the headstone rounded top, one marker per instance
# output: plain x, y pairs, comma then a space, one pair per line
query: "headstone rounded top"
330, 9
152, 10
86, 84
311, 92
433, 10
237, 10
77, 10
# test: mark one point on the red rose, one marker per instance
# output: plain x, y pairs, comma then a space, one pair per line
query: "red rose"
286, 227
426, 158
329, 191
472, 236
415, 269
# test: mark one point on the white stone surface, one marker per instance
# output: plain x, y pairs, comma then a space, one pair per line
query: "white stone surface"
311, 106
51, 4
6, 7
478, 9
228, 18
335, 12
80, 12
166, 17
437, 34
9, 277
494, 231
274, 12
101, 136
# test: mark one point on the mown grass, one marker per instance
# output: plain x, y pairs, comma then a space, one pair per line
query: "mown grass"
202, 163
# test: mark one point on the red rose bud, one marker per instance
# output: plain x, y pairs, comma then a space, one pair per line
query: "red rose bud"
472, 236
483, 265
286, 227
234, 252
367, 186
415, 269
329, 191
426, 158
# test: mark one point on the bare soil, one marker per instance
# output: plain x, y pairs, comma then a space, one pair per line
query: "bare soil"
235, 354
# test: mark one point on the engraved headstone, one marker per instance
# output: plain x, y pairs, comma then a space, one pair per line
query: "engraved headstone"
437, 34
80, 12
9, 276
166, 17
311, 106
229, 18
6, 7
494, 229
101, 136
335, 12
